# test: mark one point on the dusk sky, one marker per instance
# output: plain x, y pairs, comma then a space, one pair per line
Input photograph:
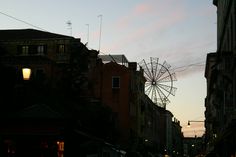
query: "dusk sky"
180, 32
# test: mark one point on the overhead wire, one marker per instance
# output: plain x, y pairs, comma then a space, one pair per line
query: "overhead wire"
184, 66
188, 66
17, 19
112, 57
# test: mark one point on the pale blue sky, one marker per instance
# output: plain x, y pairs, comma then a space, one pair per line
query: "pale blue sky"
180, 32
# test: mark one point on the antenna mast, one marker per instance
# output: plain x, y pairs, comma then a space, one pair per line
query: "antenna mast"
87, 34
69, 24
100, 16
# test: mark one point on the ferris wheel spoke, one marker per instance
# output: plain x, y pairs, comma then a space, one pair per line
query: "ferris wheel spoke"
160, 95
152, 94
148, 79
162, 71
147, 76
156, 67
163, 97
147, 71
166, 78
169, 89
153, 68
155, 94
148, 90
148, 84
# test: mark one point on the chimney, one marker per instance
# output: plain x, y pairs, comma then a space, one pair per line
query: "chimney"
133, 66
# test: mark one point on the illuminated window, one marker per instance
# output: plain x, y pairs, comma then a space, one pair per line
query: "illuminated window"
60, 148
115, 82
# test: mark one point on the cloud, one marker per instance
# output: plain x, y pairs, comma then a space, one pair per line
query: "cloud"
161, 29
143, 8
143, 21
139, 11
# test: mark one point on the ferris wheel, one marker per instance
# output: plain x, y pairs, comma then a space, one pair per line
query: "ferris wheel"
159, 81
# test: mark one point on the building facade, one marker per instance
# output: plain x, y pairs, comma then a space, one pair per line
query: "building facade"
43, 115
120, 86
221, 90
142, 125
75, 102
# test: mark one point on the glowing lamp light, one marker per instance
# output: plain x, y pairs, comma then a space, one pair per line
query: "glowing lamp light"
26, 73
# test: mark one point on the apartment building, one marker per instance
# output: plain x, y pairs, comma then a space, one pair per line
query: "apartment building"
220, 74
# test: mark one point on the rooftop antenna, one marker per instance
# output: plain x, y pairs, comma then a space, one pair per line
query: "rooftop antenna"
100, 16
69, 24
87, 33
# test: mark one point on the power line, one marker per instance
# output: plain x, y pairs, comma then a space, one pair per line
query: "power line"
17, 19
185, 66
188, 66
193, 64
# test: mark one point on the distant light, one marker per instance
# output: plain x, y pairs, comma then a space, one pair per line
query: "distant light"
26, 73
60, 145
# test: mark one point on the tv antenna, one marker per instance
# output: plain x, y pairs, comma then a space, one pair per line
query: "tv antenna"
69, 24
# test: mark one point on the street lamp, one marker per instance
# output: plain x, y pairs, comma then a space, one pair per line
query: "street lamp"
26, 73
194, 121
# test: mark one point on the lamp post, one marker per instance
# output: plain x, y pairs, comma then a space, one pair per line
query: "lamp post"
194, 121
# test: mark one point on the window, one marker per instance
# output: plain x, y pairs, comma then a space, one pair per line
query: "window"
24, 50
41, 49
61, 49
115, 82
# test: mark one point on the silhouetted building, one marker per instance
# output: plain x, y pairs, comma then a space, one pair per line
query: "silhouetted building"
212, 118
47, 115
75, 101
177, 139
193, 146
141, 125
118, 84
220, 74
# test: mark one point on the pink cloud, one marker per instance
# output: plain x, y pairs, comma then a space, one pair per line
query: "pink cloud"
143, 8
146, 29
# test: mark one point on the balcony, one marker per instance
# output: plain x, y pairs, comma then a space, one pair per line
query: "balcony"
62, 58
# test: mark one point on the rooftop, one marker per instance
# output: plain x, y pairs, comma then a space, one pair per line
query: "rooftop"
13, 34
120, 59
